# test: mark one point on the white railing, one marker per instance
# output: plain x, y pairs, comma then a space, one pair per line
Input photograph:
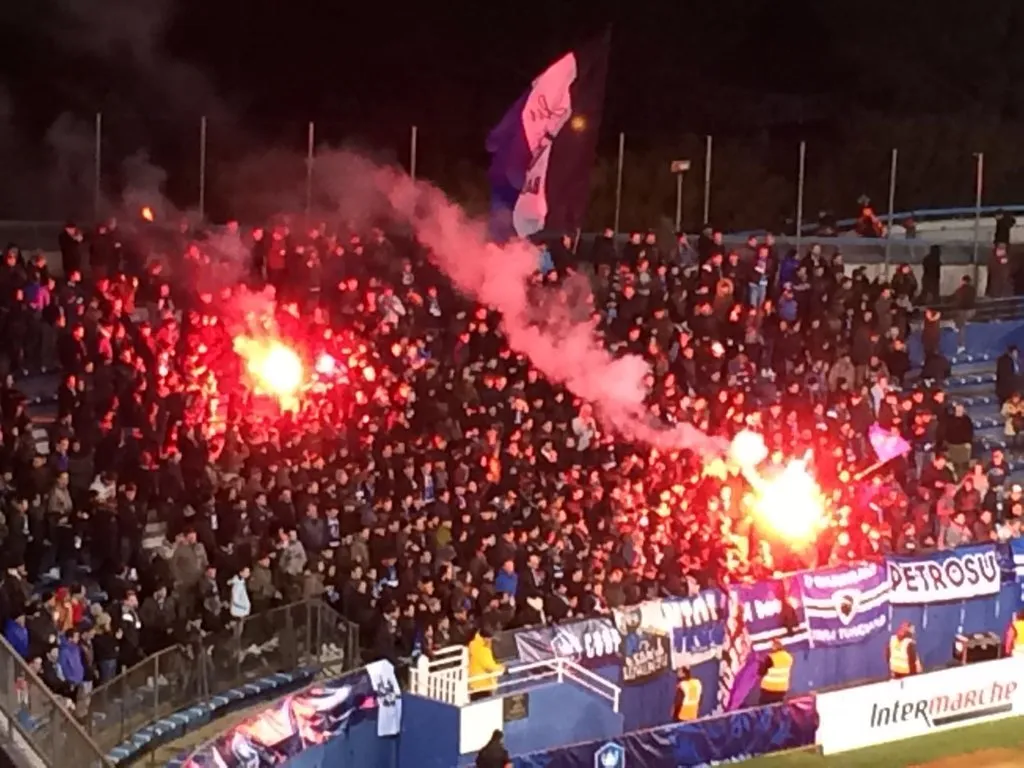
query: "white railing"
445, 677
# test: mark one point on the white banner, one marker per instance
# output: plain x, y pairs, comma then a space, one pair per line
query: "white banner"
944, 576
921, 704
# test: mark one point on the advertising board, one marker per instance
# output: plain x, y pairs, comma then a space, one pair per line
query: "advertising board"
919, 705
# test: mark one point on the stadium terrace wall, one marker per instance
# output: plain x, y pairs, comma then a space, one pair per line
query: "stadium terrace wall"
835, 621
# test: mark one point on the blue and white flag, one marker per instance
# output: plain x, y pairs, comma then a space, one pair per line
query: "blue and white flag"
543, 148
846, 604
695, 625
940, 577
389, 697
773, 610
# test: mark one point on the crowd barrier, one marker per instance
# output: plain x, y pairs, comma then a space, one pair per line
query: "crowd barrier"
186, 686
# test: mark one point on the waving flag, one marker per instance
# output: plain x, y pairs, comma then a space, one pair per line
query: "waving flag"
887, 445
543, 148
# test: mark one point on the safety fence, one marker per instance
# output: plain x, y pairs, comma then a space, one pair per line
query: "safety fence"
35, 724
307, 635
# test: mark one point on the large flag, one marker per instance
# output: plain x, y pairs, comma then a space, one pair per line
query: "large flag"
543, 148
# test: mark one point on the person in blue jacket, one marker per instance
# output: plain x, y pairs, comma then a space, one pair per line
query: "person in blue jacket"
16, 633
70, 658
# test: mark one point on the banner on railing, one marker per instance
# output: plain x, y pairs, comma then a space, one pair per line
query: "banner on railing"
695, 625
646, 651
294, 724
940, 577
1015, 563
590, 642
713, 741
773, 610
846, 604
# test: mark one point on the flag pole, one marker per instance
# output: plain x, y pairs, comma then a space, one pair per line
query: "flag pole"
618, 182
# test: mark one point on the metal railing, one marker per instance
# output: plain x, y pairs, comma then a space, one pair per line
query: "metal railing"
445, 677
36, 723
301, 635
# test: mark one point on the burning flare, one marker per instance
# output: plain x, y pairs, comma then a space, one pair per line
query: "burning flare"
276, 369
787, 503
147, 213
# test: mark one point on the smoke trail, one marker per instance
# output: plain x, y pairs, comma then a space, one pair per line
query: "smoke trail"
541, 322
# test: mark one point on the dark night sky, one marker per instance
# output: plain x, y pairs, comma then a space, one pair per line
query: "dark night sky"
262, 68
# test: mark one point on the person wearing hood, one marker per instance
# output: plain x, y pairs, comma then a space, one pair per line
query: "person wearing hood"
494, 754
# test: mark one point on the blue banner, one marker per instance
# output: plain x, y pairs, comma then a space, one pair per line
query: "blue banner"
773, 610
845, 604
695, 625
590, 643
713, 741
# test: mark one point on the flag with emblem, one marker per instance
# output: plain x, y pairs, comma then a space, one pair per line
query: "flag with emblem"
543, 148
846, 604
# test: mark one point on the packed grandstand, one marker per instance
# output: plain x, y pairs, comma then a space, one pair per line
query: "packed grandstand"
243, 418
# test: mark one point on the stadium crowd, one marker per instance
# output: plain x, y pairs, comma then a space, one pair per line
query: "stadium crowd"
428, 480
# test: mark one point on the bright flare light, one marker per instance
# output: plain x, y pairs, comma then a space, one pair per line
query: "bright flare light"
147, 213
790, 504
275, 368
748, 449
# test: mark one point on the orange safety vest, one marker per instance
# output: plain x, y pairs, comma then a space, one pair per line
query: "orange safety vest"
776, 679
690, 703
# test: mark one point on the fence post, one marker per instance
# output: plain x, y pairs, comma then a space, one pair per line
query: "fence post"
202, 167
310, 154
412, 151
979, 185
800, 194
892, 208
618, 182
97, 184
156, 687
707, 181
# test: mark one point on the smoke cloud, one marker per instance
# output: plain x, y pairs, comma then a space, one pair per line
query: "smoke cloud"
551, 326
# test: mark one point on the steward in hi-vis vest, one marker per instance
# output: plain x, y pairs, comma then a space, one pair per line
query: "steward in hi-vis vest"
776, 670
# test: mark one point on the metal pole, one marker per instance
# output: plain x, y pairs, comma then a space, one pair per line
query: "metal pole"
679, 202
979, 184
800, 194
618, 182
97, 191
310, 150
707, 180
202, 167
892, 207
412, 152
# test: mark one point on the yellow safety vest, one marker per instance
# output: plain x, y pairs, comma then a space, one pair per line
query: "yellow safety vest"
691, 700
1018, 640
899, 655
776, 679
